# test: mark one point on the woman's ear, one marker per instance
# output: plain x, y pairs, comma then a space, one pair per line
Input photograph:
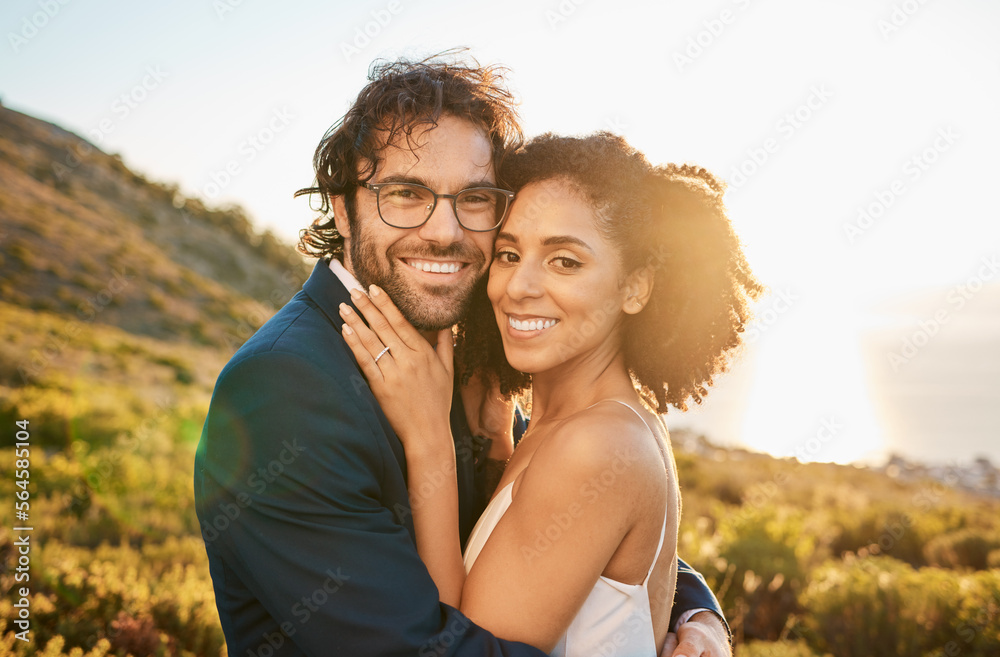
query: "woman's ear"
638, 288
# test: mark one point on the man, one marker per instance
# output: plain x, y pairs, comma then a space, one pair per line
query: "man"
300, 481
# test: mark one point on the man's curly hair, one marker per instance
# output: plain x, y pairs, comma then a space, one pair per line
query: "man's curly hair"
669, 218
401, 97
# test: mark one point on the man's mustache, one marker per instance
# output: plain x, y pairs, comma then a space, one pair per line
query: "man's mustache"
430, 252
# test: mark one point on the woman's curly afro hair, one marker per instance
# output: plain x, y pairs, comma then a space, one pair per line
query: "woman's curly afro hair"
668, 218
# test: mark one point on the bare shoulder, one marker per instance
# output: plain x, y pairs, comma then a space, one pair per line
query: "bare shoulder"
607, 444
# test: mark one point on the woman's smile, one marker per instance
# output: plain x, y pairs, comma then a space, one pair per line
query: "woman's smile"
552, 274
530, 324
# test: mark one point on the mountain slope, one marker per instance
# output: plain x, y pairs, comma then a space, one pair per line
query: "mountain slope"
115, 290
77, 223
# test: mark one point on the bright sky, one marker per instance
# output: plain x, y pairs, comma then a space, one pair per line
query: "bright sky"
811, 110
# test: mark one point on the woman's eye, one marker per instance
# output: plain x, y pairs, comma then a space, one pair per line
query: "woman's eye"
506, 257
567, 263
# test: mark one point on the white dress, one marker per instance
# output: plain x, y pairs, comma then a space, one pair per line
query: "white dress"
614, 619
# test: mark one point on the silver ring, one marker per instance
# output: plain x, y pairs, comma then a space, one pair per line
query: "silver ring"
382, 353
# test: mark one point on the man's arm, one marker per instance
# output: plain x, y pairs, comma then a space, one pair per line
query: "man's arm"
693, 593
293, 480
705, 633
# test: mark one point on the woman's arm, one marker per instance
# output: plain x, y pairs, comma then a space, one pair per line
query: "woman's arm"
413, 383
433, 488
573, 505
581, 494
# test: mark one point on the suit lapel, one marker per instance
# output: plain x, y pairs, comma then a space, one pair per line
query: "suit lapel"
327, 292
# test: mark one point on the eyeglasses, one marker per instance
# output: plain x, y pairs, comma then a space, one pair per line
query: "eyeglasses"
407, 205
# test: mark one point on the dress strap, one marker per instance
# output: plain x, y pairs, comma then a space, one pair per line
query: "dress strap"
617, 401
659, 547
663, 529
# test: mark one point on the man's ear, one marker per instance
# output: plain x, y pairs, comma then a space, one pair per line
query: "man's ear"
638, 289
339, 209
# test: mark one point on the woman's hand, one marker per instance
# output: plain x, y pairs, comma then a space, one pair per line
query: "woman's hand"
411, 380
413, 383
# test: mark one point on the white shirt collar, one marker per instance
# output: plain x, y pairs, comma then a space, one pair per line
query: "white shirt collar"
346, 277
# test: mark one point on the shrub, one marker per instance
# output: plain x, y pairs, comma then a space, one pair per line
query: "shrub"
967, 548
882, 606
761, 546
775, 649
149, 601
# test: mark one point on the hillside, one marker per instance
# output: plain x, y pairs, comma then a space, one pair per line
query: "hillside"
120, 301
116, 290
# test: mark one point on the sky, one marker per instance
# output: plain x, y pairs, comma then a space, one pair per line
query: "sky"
859, 140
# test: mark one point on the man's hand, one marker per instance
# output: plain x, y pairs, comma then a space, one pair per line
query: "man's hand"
703, 635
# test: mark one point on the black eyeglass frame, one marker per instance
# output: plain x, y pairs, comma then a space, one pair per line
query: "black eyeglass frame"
454, 200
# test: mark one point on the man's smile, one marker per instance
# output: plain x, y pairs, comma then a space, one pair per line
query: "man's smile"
435, 266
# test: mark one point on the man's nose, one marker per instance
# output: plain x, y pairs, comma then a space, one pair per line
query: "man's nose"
442, 226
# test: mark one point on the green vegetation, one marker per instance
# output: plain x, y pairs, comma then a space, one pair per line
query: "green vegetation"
121, 302
815, 559
121, 569
118, 566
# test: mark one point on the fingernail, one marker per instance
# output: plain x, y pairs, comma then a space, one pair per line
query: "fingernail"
348, 330
374, 290
345, 309
356, 294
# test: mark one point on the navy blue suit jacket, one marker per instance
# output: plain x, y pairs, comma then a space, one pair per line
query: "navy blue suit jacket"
300, 488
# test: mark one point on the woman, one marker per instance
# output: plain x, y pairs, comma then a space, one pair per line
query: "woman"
616, 288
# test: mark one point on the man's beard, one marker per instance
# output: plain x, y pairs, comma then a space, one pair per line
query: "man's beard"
438, 307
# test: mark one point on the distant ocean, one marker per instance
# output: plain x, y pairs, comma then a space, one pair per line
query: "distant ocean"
931, 390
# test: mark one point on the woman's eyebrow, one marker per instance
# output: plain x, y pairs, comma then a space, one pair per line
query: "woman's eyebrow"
566, 239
